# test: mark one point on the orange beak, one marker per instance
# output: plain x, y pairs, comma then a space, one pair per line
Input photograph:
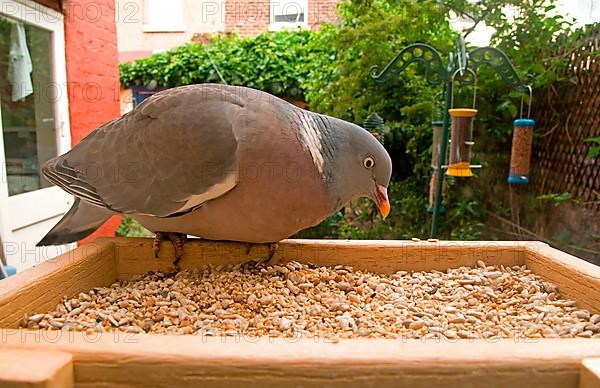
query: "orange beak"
381, 198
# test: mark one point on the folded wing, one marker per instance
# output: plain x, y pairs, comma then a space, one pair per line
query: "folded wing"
172, 153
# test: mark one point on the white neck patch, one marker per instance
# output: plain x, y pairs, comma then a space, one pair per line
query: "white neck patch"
310, 136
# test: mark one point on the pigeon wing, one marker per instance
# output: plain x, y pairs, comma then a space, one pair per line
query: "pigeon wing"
173, 152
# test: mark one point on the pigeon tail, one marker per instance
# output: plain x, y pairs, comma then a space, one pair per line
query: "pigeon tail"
79, 222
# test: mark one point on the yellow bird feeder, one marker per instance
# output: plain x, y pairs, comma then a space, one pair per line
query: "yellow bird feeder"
461, 136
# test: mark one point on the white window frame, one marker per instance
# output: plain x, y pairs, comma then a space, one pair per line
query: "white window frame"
23, 210
278, 26
154, 16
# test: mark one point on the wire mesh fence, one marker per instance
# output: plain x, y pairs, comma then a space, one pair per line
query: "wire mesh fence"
567, 113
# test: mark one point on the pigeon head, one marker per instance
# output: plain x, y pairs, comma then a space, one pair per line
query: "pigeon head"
364, 166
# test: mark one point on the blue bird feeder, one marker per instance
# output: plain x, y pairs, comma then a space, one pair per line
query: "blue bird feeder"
520, 156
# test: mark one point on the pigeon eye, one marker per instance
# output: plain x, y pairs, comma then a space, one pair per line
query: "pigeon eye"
368, 162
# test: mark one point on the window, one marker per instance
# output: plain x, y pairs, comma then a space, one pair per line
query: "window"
288, 13
27, 104
164, 16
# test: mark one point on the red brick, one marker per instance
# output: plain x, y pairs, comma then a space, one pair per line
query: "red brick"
92, 72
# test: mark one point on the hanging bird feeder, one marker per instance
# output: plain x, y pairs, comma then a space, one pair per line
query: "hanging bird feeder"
461, 137
438, 128
375, 124
520, 156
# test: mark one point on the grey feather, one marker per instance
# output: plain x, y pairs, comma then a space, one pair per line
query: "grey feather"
121, 165
79, 222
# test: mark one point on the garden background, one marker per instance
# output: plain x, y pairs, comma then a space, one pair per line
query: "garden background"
328, 71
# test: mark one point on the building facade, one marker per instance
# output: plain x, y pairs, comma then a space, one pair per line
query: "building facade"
149, 26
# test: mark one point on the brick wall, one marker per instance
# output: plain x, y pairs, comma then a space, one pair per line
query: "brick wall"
246, 17
321, 11
251, 17
92, 71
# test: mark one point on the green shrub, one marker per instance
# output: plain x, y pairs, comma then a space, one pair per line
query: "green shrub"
274, 62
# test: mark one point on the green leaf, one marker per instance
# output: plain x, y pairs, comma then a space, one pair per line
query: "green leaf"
593, 152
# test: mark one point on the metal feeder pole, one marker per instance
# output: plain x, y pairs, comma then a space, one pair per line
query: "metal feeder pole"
437, 204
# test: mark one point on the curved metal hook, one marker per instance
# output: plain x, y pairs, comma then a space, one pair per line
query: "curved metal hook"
529, 104
433, 63
474, 83
500, 62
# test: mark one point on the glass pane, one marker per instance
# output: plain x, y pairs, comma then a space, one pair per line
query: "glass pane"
286, 11
27, 103
290, 18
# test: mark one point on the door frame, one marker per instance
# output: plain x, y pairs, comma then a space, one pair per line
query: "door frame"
20, 211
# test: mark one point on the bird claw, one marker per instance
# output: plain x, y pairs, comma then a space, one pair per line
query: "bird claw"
268, 259
156, 243
177, 239
272, 250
